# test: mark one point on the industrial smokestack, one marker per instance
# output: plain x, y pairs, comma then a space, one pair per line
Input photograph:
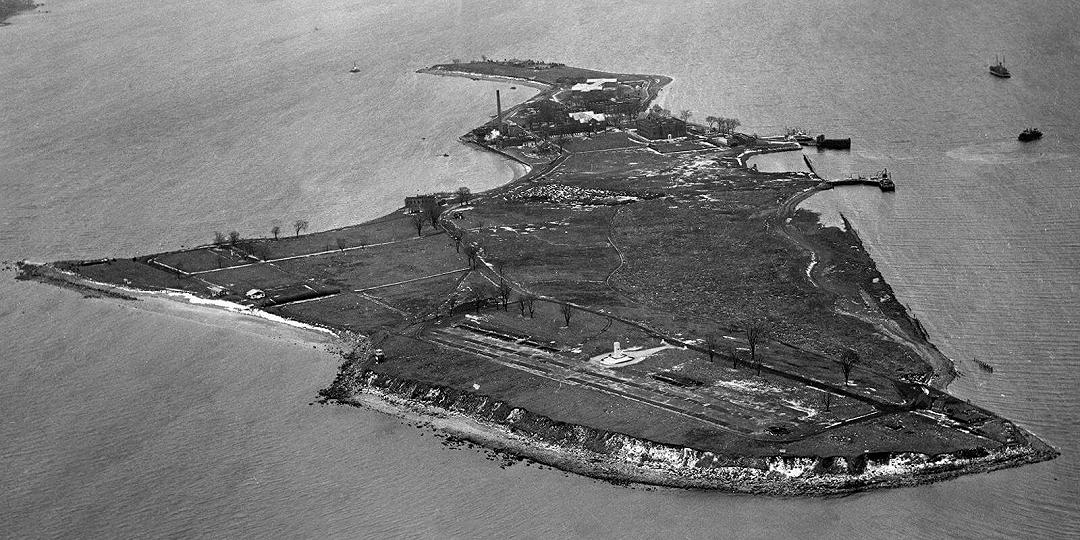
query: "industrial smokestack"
498, 110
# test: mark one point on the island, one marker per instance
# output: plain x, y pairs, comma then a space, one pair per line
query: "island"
640, 306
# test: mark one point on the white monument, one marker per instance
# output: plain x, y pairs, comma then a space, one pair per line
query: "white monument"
616, 352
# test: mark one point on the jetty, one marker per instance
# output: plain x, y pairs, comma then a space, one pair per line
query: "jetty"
881, 180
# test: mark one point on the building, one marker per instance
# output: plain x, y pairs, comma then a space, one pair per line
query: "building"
420, 202
586, 117
654, 127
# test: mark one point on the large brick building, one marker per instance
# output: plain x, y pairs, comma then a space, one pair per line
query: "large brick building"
654, 127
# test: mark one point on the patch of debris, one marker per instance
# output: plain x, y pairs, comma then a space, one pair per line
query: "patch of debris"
560, 193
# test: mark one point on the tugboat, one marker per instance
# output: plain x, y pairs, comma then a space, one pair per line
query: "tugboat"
999, 69
1029, 134
885, 182
355, 68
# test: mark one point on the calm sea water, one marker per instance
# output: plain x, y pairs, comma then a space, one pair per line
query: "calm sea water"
132, 127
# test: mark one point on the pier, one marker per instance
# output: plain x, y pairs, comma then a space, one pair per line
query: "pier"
881, 180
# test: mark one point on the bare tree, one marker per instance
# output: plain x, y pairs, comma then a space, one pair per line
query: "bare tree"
530, 304
567, 310
258, 249
341, 244
504, 292
826, 399
434, 212
472, 253
521, 306
276, 231
479, 296
457, 243
685, 115
710, 345
848, 360
219, 238
463, 195
234, 237
300, 225
418, 224
712, 121
755, 330
727, 125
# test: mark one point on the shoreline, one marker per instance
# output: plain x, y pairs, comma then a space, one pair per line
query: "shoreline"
484, 77
48, 274
944, 368
622, 459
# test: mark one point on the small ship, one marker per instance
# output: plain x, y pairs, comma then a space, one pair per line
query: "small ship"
1029, 134
999, 69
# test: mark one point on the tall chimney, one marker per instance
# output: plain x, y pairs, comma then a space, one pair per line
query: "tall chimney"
498, 109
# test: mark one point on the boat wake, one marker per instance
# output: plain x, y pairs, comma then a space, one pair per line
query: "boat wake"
1001, 153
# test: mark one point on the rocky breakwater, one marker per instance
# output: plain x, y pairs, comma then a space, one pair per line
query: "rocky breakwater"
622, 458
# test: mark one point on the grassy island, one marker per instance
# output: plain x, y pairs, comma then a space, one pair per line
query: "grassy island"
757, 350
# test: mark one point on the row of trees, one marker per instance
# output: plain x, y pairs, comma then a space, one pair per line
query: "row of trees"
756, 331
722, 124
233, 237
299, 226
526, 303
718, 123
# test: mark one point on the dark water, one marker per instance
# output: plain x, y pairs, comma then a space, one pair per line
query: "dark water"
131, 127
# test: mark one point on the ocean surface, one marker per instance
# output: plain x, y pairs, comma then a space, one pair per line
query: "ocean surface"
133, 127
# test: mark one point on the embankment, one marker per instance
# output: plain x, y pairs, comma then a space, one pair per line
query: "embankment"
622, 458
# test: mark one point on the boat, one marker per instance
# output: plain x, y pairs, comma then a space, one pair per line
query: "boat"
836, 144
1029, 134
999, 69
885, 181
799, 136
820, 141
355, 68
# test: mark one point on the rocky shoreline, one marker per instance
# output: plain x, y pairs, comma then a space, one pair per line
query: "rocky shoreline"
620, 458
